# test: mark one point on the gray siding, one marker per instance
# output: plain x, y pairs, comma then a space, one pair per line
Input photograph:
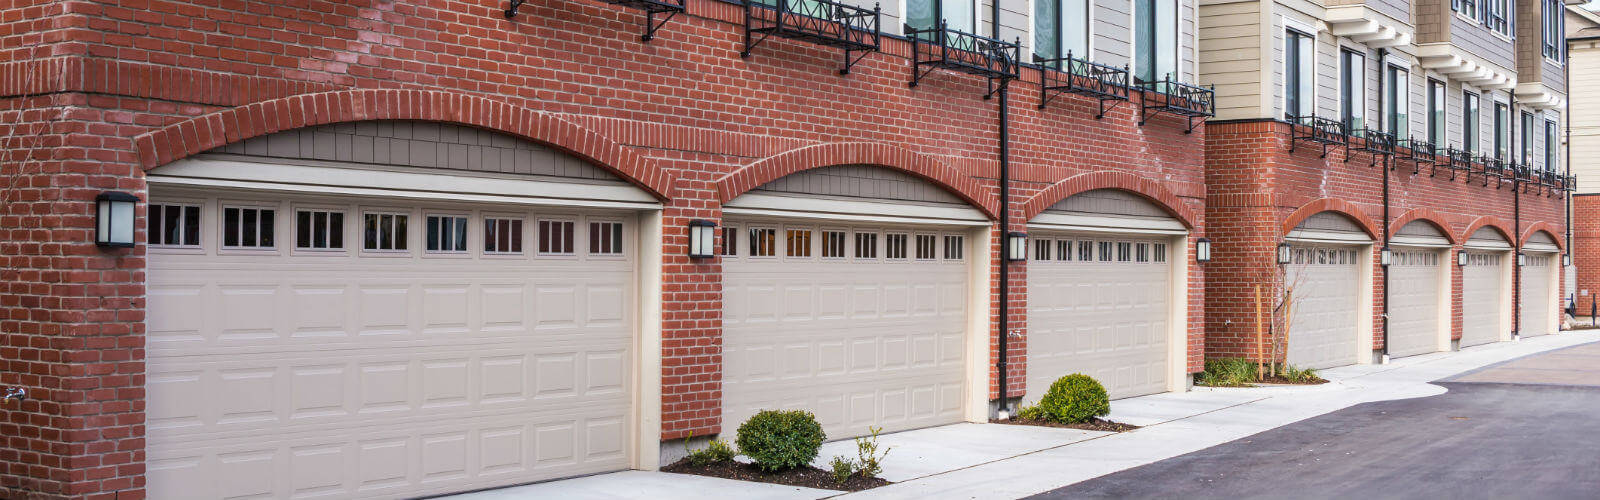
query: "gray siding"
1014, 18
1554, 75
417, 144
1477, 40
1112, 35
860, 181
1109, 201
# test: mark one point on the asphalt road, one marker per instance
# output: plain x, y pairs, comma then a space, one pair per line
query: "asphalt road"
1526, 428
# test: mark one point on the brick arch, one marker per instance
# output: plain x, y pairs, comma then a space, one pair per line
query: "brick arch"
1499, 225
183, 139
858, 153
1345, 208
1545, 227
1424, 214
1122, 181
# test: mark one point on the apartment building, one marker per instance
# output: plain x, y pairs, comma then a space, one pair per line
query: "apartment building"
1391, 167
1583, 136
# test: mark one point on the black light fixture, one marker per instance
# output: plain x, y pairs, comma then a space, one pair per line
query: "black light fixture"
1285, 254
702, 239
1385, 256
1202, 250
1016, 246
1522, 259
113, 226
1461, 258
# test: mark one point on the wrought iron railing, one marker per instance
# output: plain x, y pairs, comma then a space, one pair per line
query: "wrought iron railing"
1072, 75
652, 8
942, 47
824, 22
1420, 152
1327, 132
1497, 169
1192, 102
1377, 142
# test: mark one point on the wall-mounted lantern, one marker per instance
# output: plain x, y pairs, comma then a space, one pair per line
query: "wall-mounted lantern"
1385, 256
1461, 258
702, 239
1202, 250
1285, 254
1522, 259
1566, 260
114, 219
1016, 246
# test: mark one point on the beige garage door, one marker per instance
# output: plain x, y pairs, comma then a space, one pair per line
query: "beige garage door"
1538, 308
1099, 305
1414, 310
352, 346
1324, 276
1483, 288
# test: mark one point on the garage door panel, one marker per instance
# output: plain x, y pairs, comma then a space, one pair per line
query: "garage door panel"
1323, 325
1414, 306
1538, 311
1482, 299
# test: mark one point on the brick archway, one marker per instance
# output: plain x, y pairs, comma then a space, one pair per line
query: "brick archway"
927, 167
1499, 225
1345, 208
1122, 181
183, 139
1546, 228
1432, 217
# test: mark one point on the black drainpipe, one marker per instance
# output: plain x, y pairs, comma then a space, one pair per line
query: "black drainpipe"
1567, 219
1383, 118
1005, 223
1516, 215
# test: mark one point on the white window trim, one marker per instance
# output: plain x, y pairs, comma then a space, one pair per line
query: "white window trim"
877, 246
412, 232
178, 248
294, 229
777, 235
277, 209
451, 254
579, 244
849, 244
483, 249
910, 247
1283, 86
626, 247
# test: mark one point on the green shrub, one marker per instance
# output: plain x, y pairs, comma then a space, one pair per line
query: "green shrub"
869, 463
843, 468
1072, 399
715, 452
1228, 372
777, 440
1299, 375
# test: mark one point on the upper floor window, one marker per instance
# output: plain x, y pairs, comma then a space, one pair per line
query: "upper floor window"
1352, 90
1397, 119
959, 15
1155, 40
1468, 7
1436, 116
1061, 28
1469, 122
174, 225
1551, 145
1495, 16
1299, 74
1527, 139
1502, 132
1553, 22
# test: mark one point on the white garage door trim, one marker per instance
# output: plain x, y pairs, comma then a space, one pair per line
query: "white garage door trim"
1176, 301
322, 178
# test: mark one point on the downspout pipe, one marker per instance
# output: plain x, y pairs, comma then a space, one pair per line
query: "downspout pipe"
1516, 217
1005, 228
1566, 116
1383, 118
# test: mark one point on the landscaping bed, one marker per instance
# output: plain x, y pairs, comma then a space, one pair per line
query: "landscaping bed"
808, 477
1094, 424
1282, 380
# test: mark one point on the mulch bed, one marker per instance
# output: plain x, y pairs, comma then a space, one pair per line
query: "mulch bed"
1098, 424
808, 477
1280, 380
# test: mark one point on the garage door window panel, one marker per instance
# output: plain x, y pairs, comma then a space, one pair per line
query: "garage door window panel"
926, 247
556, 237
797, 243
249, 227
867, 246
386, 232
318, 229
446, 234
833, 244
763, 242
894, 246
954, 247
1041, 249
174, 225
502, 235
605, 239
730, 241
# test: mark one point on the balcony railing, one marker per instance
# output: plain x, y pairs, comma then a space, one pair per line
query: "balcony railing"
824, 22
1376, 143
1326, 132
652, 8
942, 47
1418, 153
1497, 169
1071, 75
1192, 102
1458, 161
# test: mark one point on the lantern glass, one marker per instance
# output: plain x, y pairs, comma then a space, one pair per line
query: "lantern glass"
702, 238
1016, 246
1461, 258
1385, 256
1566, 260
1202, 250
114, 219
1285, 253
1522, 259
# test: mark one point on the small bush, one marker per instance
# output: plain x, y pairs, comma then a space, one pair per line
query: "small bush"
1229, 372
777, 440
1299, 375
1072, 399
869, 463
715, 452
843, 468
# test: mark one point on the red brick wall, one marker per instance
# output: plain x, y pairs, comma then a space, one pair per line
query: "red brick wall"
99, 76
1257, 190
1586, 249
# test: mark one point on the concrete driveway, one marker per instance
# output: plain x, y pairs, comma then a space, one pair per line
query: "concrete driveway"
1525, 428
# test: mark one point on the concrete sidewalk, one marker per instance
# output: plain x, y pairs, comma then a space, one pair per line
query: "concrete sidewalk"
1006, 461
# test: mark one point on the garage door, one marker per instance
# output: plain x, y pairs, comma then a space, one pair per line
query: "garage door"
1538, 293
1415, 271
861, 322
353, 346
1483, 295
1324, 281
1099, 303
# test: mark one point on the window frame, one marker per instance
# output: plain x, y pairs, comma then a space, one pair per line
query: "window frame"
539, 239
344, 211
846, 244
750, 239
200, 224
1438, 112
1136, 67
467, 233
621, 241
411, 232
1296, 39
1397, 104
483, 224
1502, 130
1552, 135
222, 225
1061, 45
1471, 121
1352, 108
939, 15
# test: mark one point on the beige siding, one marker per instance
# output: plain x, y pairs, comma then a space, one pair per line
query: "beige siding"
1230, 57
1585, 117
